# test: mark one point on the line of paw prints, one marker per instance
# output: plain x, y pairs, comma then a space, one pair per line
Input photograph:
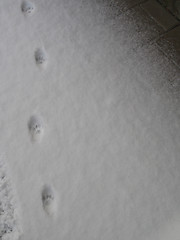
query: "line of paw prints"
28, 9
36, 130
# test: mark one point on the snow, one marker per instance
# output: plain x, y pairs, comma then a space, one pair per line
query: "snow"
10, 227
110, 104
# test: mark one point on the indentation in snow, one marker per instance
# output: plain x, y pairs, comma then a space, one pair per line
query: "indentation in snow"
41, 57
36, 128
49, 200
28, 8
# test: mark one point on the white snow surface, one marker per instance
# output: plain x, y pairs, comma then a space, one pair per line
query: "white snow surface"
10, 226
109, 101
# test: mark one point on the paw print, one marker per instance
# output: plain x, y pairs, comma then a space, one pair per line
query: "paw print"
47, 195
27, 8
40, 57
36, 129
48, 200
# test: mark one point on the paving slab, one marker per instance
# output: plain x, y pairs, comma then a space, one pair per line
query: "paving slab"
117, 7
125, 5
150, 60
160, 14
134, 28
172, 6
139, 28
170, 45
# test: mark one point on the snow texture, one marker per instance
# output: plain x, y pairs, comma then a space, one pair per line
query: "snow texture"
110, 99
10, 228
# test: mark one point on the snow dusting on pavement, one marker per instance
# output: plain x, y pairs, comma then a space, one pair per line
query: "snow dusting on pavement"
89, 82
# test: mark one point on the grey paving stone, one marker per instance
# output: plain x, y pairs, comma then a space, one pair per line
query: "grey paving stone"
170, 45
172, 5
159, 14
127, 4
117, 7
150, 60
131, 31
139, 28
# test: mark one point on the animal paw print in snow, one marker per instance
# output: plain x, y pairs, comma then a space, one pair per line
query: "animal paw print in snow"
28, 8
48, 200
36, 129
40, 57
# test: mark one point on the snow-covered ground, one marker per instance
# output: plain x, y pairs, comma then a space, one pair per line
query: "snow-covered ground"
89, 121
